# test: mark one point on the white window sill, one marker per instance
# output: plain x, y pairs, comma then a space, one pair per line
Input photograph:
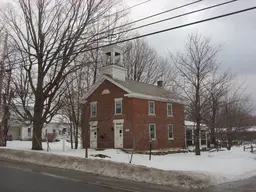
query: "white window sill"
116, 114
169, 115
152, 114
171, 139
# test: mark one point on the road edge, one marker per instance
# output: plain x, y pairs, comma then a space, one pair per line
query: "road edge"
108, 168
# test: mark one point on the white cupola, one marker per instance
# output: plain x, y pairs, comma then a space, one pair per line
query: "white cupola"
113, 63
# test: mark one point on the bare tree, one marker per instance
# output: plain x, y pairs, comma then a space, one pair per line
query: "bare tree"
144, 64
49, 36
6, 90
75, 88
218, 87
79, 82
234, 115
194, 68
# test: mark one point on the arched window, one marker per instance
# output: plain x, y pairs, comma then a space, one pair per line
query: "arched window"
105, 91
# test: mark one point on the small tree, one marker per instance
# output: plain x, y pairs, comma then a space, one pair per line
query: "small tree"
234, 115
218, 87
194, 68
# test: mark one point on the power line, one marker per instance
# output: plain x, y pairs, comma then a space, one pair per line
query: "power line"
136, 5
178, 16
173, 28
145, 18
151, 16
178, 27
157, 14
192, 12
154, 15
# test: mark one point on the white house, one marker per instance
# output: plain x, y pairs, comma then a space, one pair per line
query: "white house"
190, 128
15, 123
58, 124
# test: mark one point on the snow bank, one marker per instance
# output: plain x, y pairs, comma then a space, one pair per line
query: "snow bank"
112, 169
224, 166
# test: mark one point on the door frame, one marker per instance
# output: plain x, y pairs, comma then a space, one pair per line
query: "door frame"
92, 124
115, 132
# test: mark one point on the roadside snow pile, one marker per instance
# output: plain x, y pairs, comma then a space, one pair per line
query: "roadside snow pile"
112, 169
221, 166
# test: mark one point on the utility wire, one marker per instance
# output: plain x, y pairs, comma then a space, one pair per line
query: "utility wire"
142, 19
176, 27
151, 16
136, 5
157, 14
192, 12
175, 17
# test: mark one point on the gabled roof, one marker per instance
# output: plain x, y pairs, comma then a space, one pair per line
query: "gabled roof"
192, 125
138, 90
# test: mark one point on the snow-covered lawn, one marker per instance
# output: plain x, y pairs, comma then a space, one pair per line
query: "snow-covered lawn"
226, 165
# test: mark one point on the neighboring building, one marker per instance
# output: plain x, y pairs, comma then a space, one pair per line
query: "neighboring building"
56, 126
15, 124
118, 113
190, 128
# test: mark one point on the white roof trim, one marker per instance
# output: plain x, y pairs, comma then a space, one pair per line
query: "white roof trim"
154, 98
92, 89
96, 85
130, 93
117, 84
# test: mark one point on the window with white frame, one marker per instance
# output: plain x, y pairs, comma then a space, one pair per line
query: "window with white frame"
152, 131
169, 109
118, 106
151, 108
93, 109
170, 131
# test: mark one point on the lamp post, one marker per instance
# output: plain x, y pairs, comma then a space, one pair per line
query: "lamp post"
150, 149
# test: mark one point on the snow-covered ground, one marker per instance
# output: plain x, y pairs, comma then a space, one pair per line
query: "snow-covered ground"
226, 165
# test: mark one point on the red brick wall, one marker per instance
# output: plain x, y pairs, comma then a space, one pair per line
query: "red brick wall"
142, 120
105, 115
136, 120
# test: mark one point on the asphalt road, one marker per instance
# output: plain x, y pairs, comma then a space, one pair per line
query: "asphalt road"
248, 185
23, 177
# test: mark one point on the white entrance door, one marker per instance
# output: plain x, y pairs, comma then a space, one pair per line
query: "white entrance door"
93, 137
118, 135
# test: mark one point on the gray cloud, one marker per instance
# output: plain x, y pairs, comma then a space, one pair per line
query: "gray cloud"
236, 34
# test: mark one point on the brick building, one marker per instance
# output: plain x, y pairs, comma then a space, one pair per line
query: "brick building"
120, 113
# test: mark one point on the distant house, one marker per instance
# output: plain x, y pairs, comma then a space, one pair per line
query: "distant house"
190, 129
15, 124
120, 113
58, 124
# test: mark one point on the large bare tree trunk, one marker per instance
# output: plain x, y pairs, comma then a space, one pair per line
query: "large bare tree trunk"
71, 137
38, 123
197, 141
76, 136
37, 134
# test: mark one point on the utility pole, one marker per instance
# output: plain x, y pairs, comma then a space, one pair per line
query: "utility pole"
2, 71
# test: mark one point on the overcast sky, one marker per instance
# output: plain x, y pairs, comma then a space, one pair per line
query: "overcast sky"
236, 34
